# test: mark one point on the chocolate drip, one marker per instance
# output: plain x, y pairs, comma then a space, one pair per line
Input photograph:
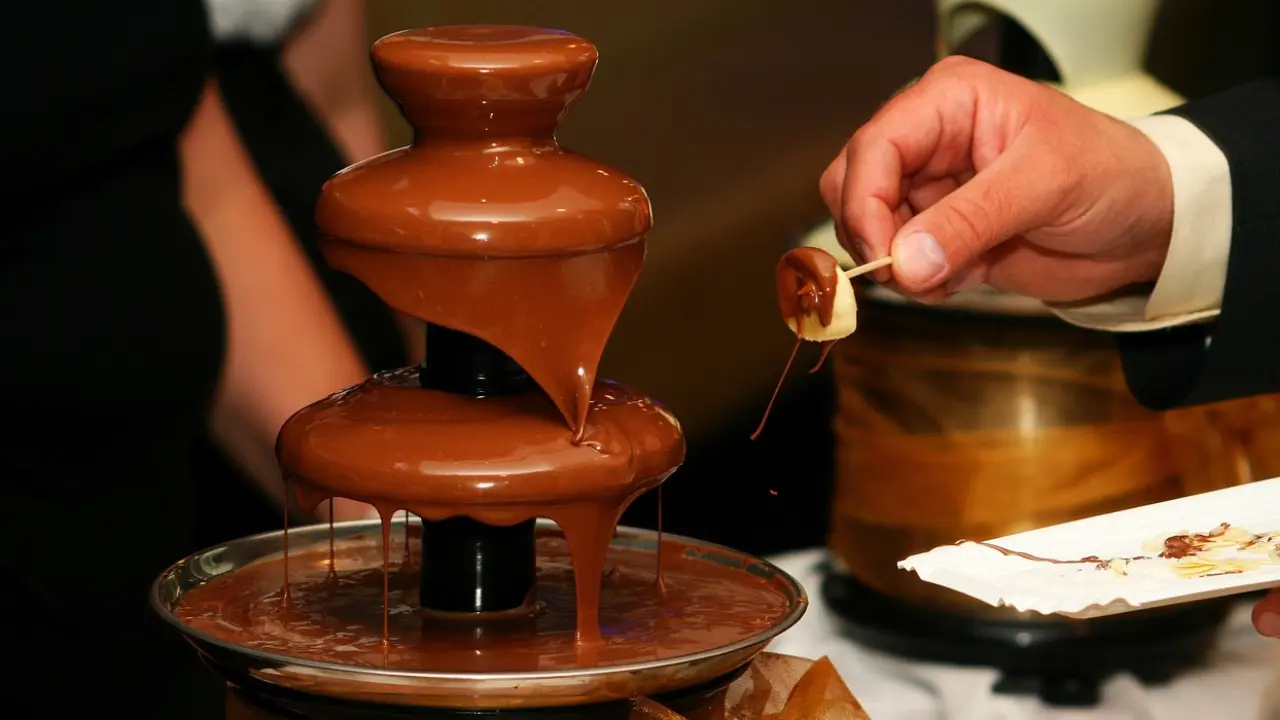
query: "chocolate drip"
777, 388
827, 347
1089, 559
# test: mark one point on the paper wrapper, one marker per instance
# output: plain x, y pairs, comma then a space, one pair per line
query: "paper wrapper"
775, 687
782, 687
1230, 566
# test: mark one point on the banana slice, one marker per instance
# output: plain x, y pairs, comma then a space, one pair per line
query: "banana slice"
816, 298
844, 316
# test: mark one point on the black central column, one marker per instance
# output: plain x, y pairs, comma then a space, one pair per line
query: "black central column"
468, 566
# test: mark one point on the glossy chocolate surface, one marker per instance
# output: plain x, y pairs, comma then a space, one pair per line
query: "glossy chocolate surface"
484, 225
806, 278
335, 614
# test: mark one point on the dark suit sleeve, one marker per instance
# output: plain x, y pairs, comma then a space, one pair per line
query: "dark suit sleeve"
1239, 354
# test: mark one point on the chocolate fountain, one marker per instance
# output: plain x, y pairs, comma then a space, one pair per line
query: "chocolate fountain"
497, 581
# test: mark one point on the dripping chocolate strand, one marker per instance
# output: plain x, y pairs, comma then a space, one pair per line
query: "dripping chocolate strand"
826, 350
407, 557
333, 563
386, 578
284, 594
769, 408
1034, 558
662, 590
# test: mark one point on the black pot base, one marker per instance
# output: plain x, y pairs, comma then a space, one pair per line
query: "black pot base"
1065, 664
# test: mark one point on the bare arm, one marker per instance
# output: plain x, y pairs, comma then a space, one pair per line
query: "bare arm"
327, 61
286, 346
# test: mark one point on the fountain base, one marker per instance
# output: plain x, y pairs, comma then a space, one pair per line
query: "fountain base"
656, 638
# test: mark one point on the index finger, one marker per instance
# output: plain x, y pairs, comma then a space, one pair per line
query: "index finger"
926, 130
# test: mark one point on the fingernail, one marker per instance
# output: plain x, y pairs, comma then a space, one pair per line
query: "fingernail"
919, 258
1268, 624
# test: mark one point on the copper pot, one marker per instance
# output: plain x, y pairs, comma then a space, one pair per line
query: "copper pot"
988, 416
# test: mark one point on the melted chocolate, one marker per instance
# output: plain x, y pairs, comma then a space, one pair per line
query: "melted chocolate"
827, 347
486, 226
1176, 547
499, 460
1181, 546
1090, 559
795, 349
806, 279
338, 618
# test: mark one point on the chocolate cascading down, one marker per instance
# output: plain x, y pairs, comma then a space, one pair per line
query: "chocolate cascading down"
517, 248
518, 255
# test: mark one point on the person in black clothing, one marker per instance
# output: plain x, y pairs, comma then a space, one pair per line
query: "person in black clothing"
151, 294
299, 88
1162, 229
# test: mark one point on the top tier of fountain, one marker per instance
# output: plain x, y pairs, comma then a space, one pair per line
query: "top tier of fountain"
562, 236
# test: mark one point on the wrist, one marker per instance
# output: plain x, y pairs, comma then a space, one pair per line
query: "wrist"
1151, 195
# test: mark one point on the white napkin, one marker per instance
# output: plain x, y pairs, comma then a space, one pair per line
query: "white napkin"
1085, 590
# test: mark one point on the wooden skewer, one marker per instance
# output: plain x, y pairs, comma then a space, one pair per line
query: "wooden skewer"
865, 268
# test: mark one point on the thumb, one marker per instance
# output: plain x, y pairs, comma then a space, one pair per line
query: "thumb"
997, 204
1266, 615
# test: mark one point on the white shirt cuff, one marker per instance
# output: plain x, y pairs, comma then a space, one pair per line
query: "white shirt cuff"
1190, 286
262, 22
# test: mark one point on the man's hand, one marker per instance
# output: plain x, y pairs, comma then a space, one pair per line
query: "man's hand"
973, 175
1266, 615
